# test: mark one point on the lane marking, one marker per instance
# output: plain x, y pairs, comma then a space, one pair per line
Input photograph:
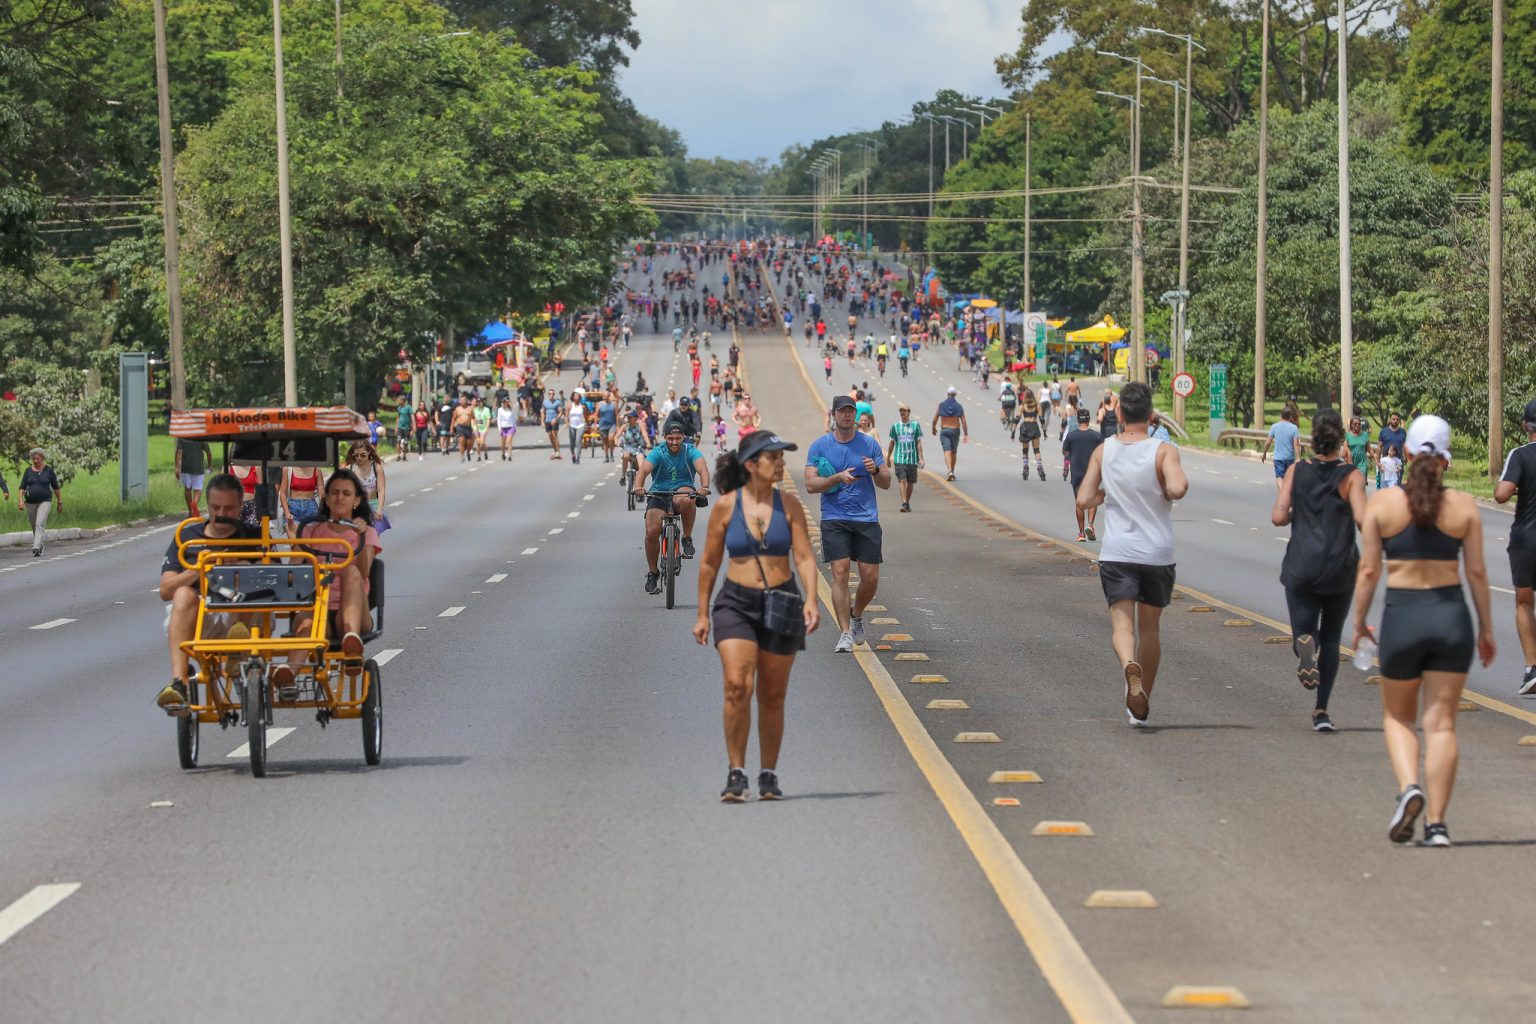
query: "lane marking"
448, 613
397, 503
977, 737
1502, 590
385, 657
496, 577
530, 551
55, 623
273, 735
453, 478
588, 497
572, 515
425, 489
1223, 522
557, 529
32, 906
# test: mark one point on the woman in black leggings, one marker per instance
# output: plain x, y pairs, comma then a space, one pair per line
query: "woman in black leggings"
1426, 633
1322, 500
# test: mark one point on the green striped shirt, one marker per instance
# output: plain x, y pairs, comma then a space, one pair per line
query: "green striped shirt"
905, 435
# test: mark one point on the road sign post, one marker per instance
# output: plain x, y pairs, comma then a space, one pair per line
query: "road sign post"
133, 425
1218, 398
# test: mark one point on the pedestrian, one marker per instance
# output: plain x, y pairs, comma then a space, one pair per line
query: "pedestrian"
1322, 500
404, 428
192, 458
1283, 435
551, 408
1109, 417
1029, 431
844, 467
760, 617
1077, 450
40, 492
1426, 642
1392, 436
1518, 481
950, 424
1359, 440
1137, 479
905, 453
365, 463
1389, 469
422, 419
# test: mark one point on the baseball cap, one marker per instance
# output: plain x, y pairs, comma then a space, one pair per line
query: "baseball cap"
843, 402
1530, 411
1083, 416
953, 390
1430, 435
759, 441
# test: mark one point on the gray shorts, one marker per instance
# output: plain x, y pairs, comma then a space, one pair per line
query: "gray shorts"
192, 481
949, 439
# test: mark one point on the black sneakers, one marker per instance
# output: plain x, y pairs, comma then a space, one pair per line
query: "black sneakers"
768, 786
1409, 803
1528, 682
653, 583
735, 787
687, 547
1436, 834
1321, 722
1306, 662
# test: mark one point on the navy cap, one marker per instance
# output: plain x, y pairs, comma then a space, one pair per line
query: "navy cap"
1530, 411
843, 402
759, 441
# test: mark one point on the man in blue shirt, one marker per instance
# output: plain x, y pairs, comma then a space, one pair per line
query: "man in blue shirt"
950, 424
844, 467
552, 408
1283, 436
1392, 436
682, 481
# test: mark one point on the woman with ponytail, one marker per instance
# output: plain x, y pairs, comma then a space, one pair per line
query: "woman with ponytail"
759, 618
1426, 634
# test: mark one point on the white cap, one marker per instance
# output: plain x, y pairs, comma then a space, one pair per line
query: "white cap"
952, 390
1429, 435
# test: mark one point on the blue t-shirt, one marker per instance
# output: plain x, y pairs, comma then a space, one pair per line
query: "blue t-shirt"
1284, 435
1390, 438
605, 414
853, 502
668, 471
551, 409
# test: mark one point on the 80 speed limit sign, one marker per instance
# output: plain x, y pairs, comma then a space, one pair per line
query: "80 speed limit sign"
1184, 385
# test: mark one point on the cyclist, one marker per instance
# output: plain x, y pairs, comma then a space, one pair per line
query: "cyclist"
634, 442
903, 353
881, 354
675, 465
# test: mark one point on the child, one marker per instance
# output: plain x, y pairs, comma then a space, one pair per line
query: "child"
826, 364
1391, 466
719, 435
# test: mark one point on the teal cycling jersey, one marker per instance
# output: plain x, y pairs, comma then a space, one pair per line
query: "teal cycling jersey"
633, 440
668, 471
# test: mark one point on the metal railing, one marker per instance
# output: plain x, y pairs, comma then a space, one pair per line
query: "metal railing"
1241, 435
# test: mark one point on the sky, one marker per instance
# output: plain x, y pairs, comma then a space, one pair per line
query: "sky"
744, 80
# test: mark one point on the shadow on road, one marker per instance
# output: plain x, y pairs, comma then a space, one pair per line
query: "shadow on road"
835, 796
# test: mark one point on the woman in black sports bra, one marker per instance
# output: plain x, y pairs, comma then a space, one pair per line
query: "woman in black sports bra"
1426, 633
1029, 430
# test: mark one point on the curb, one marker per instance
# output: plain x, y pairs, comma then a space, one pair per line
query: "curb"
24, 537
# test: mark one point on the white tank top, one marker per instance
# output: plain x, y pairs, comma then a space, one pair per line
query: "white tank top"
1138, 519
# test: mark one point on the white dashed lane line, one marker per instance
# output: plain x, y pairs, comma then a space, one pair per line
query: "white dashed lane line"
32, 906
588, 497
385, 657
572, 515
397, 504
448, 613
557, 529
1223, 522
273, 735
497, 577
530, 551
53, 623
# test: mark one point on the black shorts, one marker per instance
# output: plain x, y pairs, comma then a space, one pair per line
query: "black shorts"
1425, 631
464, 430
738, 615
844, 538
1132, 581
1522, 567
664, 501
905, 471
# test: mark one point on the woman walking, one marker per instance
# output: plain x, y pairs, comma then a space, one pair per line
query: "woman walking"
39, 494
759, 618
1359, 441
1030, 429
1322, 499
1426, 633
364, 462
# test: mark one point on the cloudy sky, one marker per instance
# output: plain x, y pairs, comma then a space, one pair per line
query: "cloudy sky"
743, 80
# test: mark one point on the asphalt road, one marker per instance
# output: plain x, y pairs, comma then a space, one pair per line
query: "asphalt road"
543, 839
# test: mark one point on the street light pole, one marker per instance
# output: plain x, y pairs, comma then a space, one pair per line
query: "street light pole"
1496, 253
1135, 103
1346, 310
168, 204
1261, 255
1028, 126
349, 368
1138, 361
284, 221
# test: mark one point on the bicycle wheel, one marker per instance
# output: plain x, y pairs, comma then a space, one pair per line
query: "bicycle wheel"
254, 708
373, 714
670, 566
186, 732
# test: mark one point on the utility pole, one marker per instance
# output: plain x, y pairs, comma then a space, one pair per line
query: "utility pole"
168, 204
1261, 256
1028, 125
1346, 303
1138, 254
349, 368
1496, 254
284, 220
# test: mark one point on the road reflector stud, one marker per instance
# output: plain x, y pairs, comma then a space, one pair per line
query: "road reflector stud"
911, 656
1005, 801
1175, 596
1277, 639
977, 737
897, 638
161, 803
882, 647
1046, 544
1373, 680
1121, 899
876, 608
1237, 622
1000, 777
948, 705
1527, 741
930, 679
1467, 705
1206, 997
1201, 608
1061, 828
884, 622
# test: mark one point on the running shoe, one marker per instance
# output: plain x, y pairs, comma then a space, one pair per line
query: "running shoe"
1321, 722
950, 477
857, 630
653, 583
1091, 534
173, 699
1081, 537
1436, 834
906, 507
844, 644
1134, 722
768, 786
736, 786
1528, 682
1306, 661
687, 547
1136, 702
1409, 803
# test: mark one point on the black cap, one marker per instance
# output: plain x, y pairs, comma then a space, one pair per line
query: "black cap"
1082, 416
843, 402
759, 441
1530, 411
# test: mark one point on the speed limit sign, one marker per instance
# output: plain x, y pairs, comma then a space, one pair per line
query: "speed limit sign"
1183, 385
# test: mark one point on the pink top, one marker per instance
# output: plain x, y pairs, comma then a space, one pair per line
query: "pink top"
370, 537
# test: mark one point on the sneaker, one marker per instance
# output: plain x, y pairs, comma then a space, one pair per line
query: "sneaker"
768, 786
1528, 682
905, 507
37, 552
1321, 722
173, 700
950, 477
1136, 702
1134, 722
653, 583
844, 644
1409, 803
1081, 537
1091, 534
238, 631
857, 630
736, 785
1306, 662
687, 547
1436, 834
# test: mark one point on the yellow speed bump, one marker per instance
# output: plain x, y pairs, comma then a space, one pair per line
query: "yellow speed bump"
1121, 899
977, 737
1061, 828
948, 705
1277, 639
1527, 741
1205, 997
887, 621
1005, 801
1467, 705
1001, 777
897, 638
1201, 608
930, 679
1238, 622
911, 656
876, 608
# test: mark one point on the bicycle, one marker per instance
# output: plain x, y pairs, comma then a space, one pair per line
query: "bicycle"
670, 560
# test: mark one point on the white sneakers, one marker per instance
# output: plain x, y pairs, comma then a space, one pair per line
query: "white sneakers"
844, 644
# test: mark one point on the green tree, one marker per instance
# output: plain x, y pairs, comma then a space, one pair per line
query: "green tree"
77, 428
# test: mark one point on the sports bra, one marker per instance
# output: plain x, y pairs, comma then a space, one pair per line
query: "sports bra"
304, 483
1432, 544
740, 543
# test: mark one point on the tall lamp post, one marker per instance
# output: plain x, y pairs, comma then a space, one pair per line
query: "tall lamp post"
284, 220
168, 204
1346, 303
1496, 252
1138, 231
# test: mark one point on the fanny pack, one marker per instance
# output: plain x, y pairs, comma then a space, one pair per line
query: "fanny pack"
783, 610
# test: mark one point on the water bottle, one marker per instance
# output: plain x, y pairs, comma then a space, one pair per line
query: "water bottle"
1365, 651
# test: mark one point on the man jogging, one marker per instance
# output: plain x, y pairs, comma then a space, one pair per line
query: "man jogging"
950, 424
905, 453
1078, 448
844, 467
1518, 481
1137, 478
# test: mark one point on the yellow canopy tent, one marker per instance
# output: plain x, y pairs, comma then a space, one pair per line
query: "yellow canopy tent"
1105, 332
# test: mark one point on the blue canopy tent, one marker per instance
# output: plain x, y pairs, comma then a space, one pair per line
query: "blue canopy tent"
491, 333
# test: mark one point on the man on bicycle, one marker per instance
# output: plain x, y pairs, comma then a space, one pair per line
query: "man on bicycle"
675, 466
903, 353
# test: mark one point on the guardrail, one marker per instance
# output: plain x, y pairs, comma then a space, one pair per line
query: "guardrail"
1238, 435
